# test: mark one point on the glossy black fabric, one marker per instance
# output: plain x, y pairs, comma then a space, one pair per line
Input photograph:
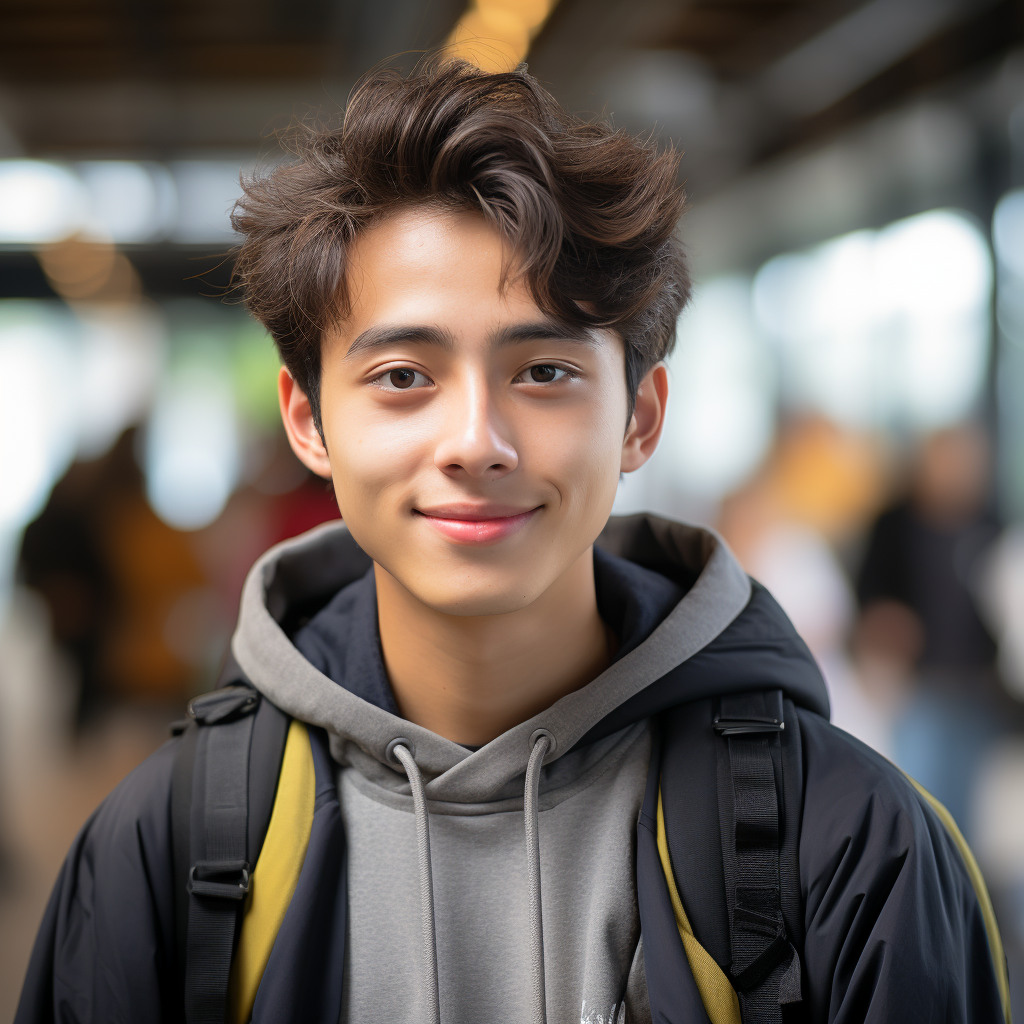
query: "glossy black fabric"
894, 932
105, 949
672, 991
760, 649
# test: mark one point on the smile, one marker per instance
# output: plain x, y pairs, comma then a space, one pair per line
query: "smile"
466, 524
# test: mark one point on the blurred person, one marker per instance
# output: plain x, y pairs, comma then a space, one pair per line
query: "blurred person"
62, 558
482, 752
815, 479
114, 577
1002, 601
283, 500
920, 626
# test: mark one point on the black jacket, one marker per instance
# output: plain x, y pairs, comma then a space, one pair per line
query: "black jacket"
878, 896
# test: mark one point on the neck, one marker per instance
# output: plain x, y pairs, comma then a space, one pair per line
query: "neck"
471, 678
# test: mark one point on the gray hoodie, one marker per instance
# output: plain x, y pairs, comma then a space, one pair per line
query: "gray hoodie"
501, 893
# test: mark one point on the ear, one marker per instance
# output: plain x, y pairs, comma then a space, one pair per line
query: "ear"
299, 426
648, 419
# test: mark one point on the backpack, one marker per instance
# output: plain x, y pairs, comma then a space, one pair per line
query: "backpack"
717, 835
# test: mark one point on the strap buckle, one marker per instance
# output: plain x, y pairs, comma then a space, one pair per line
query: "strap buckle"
747, 725
220, 879
223, 705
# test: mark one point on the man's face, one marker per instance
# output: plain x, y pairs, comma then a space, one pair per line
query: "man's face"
475, 445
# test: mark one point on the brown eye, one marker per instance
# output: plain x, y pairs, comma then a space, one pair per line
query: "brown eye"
402, 378
543, 374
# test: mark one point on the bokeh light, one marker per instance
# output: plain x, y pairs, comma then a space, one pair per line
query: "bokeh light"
884, 328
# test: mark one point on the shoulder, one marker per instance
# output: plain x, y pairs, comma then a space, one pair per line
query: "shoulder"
858, 805
104, 947
118, 874
138, 808
843, 771
124, 852
893, 900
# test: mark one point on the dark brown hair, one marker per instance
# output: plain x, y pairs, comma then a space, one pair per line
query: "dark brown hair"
588, 211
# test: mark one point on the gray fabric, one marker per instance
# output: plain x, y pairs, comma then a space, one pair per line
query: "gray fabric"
274, 665
636, 1007
419, 805
589, 800
531, 813
481, 898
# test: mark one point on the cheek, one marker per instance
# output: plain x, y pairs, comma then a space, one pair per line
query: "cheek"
581, 454
372, 456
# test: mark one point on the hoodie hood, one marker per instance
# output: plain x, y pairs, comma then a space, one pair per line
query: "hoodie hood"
724, 635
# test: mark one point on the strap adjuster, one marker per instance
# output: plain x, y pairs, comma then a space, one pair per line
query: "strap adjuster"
224, 705
747, 725
220, 879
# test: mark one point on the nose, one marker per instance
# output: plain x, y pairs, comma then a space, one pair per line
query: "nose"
475, 440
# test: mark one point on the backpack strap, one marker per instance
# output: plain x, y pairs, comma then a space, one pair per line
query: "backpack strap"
181, 829
218, 878
258, 759
765, 968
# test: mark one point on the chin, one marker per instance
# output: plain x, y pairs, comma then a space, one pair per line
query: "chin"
478, 597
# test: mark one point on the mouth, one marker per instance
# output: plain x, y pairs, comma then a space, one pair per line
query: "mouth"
477, 524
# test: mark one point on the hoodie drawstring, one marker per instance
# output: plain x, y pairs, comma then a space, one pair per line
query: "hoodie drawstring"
540, 742
402, 752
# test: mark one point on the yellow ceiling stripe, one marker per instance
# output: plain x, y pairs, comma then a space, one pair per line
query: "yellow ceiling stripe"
495, 35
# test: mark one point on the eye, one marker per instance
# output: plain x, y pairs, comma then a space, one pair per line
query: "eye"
403, 378
544, 373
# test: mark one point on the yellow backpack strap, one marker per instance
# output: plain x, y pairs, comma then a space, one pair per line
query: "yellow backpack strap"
995, 943
717, 994
276, 873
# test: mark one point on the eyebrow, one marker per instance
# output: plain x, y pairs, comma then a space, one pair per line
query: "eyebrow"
424, 334
377, 337
542, 330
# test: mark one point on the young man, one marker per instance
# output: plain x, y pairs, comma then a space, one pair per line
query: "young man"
540, 766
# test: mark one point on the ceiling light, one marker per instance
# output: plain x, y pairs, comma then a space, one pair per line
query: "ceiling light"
39, 202
129, 202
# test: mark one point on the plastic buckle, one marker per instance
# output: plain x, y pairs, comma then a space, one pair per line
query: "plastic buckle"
221, 879
223, 705
746, 726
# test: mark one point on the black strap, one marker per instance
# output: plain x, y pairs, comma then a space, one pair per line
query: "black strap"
765, 968
218, 879
181, 830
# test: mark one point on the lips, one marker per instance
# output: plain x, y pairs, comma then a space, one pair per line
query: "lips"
477, 524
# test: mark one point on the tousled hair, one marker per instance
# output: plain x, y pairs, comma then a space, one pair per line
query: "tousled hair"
588, 212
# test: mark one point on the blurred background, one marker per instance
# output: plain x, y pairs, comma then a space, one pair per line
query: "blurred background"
847, 384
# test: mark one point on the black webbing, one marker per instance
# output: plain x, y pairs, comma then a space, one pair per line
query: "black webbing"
181, 829
219, 875
765, 968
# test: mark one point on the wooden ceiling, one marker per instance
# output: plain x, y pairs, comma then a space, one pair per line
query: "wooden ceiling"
161, 79
152, 78
740, 37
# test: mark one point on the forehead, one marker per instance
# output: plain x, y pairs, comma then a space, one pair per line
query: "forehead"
427, 262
